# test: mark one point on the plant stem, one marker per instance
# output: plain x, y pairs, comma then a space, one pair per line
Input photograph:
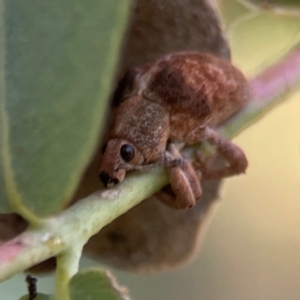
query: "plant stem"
67, 266
78, 223
269, 88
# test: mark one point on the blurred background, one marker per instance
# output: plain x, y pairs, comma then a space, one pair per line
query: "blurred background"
252, 247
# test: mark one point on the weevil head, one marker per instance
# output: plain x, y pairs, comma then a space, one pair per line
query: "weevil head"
117, 155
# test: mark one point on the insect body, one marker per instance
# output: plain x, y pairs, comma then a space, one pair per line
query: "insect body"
177, 100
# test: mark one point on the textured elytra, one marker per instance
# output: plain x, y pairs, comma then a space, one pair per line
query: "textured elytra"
197, 86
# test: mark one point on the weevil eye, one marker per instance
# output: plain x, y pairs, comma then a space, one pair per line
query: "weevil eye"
127, 153
104, 148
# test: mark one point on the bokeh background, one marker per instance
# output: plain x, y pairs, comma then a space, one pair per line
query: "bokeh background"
252, 247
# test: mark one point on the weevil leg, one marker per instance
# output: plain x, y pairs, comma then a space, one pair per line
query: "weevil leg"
184, 180
185, 183
235, 157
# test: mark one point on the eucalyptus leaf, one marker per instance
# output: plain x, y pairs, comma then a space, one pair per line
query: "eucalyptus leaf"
57, 63
4, 203
275, 4
95, 284
266, 38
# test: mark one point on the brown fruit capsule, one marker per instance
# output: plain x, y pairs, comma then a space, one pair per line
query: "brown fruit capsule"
178, 99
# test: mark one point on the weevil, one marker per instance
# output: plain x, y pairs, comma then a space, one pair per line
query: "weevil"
160, 107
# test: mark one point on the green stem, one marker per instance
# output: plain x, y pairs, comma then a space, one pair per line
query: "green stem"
74, 226
269, 88
67, 266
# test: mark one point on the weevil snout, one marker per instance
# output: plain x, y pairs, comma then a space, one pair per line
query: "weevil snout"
117, 153
108, 181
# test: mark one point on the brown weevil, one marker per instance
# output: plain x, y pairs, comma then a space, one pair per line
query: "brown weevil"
160, 107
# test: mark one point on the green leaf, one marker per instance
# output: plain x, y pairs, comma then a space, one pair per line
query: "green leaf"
264, 3
4, 203
261, 39
57, 61
231, 10
275, 4
95, 284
